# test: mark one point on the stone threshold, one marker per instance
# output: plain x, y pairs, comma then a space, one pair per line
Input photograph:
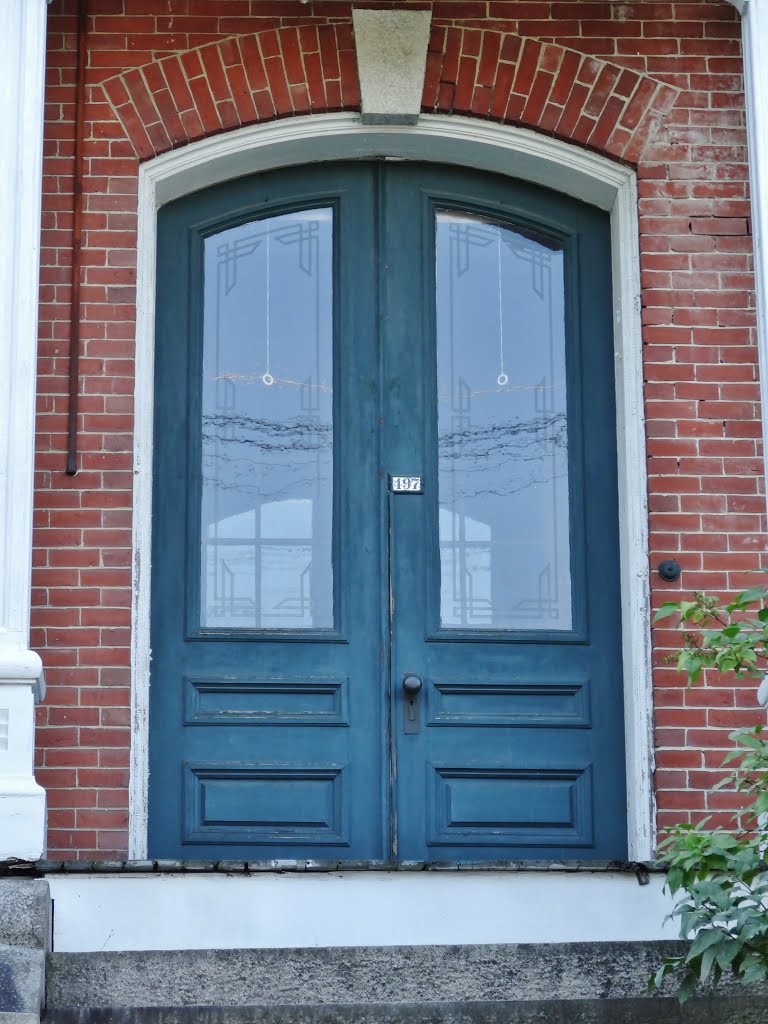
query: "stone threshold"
43, 868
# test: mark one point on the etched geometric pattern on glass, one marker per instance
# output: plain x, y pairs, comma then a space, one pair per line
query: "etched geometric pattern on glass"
267, 430
503, 520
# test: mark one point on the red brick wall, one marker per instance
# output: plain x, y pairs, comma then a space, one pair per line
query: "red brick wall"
654, 84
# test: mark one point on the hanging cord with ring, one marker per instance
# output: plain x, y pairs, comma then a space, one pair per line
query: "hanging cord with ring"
502, 380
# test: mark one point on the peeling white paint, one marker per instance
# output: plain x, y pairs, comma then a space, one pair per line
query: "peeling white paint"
120, 912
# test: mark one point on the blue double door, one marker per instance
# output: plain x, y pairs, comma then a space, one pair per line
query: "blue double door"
385, 563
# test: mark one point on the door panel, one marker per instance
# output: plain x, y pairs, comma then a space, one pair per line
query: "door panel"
318, 332
528, 761
267, 626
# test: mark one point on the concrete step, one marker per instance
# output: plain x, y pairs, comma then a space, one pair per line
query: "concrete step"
574, 983
722, 1010
350, 975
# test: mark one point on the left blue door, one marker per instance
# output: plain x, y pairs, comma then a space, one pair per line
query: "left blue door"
267, 727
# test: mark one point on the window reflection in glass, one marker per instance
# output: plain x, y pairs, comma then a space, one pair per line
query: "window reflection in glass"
267, 431
502, 431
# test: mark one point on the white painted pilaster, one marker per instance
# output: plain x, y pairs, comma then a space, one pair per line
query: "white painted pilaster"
22, 65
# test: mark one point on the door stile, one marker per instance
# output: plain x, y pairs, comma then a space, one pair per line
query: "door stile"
380, 292
388, 688
404, 345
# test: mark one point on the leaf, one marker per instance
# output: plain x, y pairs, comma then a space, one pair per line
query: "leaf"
707, 961
687, 988
751, 595
727, 953
703, 941
753, 968
667, 609
687, 609
674, 879
748, 739
668, 966
724, 841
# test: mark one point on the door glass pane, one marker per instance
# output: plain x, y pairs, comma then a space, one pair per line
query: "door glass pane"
502, 431
267, 430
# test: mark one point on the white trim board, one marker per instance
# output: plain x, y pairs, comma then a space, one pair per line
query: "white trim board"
140, 912
22, 85
754, 35
501, 149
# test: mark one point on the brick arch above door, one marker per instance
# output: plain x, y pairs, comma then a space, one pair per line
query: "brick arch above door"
291, 71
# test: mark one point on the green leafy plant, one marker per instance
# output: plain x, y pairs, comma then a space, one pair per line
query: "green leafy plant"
728, 639
719, 877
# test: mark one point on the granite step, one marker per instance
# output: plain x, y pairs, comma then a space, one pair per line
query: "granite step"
573, 983
742, 1009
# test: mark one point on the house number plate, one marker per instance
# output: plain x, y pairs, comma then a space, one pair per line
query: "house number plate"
406, 484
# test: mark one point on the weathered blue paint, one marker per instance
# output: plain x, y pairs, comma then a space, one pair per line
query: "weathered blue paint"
292, 744
267, 740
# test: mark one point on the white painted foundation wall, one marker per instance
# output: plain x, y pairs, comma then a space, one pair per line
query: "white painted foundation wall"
141, 912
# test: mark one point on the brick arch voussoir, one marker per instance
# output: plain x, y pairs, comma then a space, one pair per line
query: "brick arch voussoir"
547, 87
312, 69
237, 81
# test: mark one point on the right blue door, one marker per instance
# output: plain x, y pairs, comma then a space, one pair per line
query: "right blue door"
498, 379
385, 573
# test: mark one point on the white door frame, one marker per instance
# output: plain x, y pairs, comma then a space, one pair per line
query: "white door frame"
501, 149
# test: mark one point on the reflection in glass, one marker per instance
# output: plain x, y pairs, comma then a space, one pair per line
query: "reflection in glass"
267, 432
502, 431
